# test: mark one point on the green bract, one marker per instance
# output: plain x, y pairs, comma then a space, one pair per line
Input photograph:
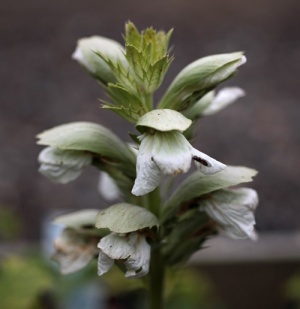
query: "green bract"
197, 184
86, 136
163, 120
200, 77
125, 218
147, 54
185, 239
78, 219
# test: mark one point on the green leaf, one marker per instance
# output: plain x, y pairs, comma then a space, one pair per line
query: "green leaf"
125, 218
132, 35
155, 73
163, 120
124, 97
86, 136
200, 76
198, 184
135, 59
187, 228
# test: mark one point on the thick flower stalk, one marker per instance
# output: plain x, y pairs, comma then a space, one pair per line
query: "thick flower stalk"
149, 229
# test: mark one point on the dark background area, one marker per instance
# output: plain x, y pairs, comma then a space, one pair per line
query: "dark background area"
42, 87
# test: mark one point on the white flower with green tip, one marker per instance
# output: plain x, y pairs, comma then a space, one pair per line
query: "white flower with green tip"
164, 150
130, 249
62, 166
86, 54
223, 98
233, 210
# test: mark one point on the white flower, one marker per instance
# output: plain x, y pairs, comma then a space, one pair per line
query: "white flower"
74, 251
168, 153
224, 97
62, 166
233, 210
86, 54
130, 249
107, 187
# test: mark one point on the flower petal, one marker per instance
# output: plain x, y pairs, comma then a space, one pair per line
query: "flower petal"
131, 249
205, 164
171, 152
233, 210
107, 187
138, 263
105, 263
62, 166
148, 174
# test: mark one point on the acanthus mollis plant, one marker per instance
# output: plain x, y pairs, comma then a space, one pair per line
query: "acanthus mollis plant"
150, 229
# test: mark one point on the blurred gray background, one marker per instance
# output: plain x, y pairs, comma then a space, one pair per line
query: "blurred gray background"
42, 87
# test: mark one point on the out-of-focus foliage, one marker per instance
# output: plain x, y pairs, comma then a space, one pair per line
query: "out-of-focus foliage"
23, 281
188, 289
292, 292
10, 224
29, 282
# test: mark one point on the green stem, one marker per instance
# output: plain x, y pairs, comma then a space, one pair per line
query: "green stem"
149, 102
157, 267
156, 280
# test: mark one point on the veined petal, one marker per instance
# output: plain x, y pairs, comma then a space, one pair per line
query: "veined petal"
107, 187
205, 164
138, 263
224, 97
233, 210
105, 263
131, 249
62, 166
148, 174
74, 251
171, 152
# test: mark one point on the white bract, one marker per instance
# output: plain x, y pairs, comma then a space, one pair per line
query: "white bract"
74, 251
130, 249
224, 97
233, 210
107, 187
86, 54
62, 166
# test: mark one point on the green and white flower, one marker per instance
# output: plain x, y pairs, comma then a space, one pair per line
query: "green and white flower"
165, 150
233, 210
87, 54
62, 166
131, 250
222, 99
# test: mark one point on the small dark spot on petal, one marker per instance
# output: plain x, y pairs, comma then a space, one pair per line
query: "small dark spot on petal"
201, 161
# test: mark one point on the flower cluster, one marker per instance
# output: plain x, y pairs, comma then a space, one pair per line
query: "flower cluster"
148, 219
